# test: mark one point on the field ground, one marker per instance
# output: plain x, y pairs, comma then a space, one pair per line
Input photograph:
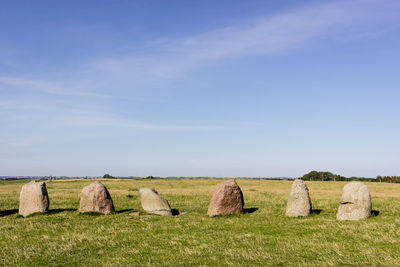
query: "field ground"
263, 236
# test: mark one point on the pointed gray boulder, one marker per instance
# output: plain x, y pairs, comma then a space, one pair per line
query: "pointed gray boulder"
96, 198
355, 203
299, 202
33, 198
153, 202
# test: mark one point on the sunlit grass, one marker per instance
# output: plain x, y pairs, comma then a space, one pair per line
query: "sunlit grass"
263, 236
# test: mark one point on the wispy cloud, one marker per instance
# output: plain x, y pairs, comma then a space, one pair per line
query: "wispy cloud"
266, 35
29, 140
115, 122
48, 88
170, 58
48, 120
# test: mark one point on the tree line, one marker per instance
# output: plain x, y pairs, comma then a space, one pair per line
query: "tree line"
328, 176
388, 179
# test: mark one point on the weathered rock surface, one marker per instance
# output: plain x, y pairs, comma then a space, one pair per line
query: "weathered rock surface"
96, 198
299, 202
153, 202
227, 199
33, 198
355, 203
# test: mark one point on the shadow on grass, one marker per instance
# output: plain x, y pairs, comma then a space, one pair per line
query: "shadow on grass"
90, 213
123, 211
316, 211
175, 212
49, 212
245, 211
8, 212
250, 210
374, 213
35, 214
56, 211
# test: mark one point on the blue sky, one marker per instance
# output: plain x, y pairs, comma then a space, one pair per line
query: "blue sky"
199, 88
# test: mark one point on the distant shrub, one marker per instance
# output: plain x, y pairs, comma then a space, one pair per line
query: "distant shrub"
322, 176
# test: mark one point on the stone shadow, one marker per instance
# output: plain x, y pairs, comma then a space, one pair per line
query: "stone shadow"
8, 212
91, 213
316, 211
250, 210
56, 211
375, 213
123, 211
176, 212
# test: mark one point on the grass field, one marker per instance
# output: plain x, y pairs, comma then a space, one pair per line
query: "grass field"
263, 236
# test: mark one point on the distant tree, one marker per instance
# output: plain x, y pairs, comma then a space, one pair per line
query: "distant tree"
149, 177
322, 176
107, 176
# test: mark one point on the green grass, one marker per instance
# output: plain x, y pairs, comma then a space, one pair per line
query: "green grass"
262, 237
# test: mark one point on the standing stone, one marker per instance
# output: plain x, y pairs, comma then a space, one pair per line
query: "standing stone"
227, 199
299, 202
355, 203
96, 198
153, 202
33, 198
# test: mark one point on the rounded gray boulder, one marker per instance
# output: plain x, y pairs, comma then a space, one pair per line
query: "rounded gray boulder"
33, 198
355, 203
299, 202
153, 202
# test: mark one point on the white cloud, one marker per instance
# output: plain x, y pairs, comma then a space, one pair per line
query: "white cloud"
29, 140
173, 57
44, 122
170, 58
267, 35
46, 87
